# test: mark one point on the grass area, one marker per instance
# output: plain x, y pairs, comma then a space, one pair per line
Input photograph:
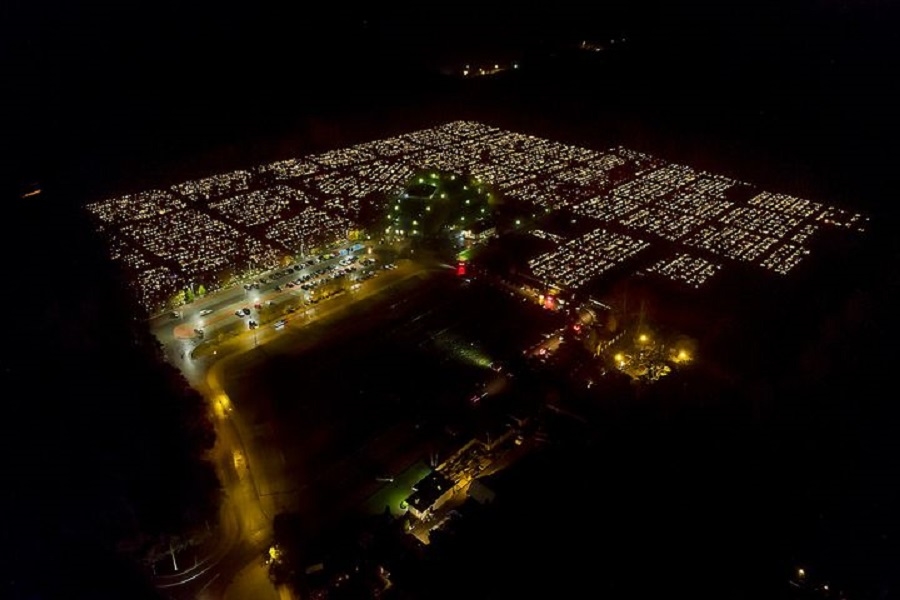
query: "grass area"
394, 493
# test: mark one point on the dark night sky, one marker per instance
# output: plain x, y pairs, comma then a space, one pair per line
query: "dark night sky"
107, 94
86, 82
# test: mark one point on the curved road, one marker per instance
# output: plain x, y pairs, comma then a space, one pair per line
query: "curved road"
245, 530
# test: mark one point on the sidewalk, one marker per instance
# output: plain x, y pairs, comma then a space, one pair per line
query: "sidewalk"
226, 538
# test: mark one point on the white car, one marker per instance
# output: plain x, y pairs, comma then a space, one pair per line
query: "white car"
206, 311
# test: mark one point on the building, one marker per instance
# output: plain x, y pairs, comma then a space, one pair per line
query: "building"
429, 494
479, 233
481, 493
494, 434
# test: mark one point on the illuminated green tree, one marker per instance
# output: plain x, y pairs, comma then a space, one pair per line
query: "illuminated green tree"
178, 298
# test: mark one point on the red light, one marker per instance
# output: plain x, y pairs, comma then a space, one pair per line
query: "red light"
576, 327
460, 269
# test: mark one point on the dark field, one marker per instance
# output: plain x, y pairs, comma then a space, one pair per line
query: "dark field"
372, 390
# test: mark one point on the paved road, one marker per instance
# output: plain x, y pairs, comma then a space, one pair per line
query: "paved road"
250, 477
214, 313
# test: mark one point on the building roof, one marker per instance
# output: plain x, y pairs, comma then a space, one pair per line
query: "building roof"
428, 490
481, 226
481, 493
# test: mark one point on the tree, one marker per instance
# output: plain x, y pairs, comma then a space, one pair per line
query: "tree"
126, 461
177, 299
